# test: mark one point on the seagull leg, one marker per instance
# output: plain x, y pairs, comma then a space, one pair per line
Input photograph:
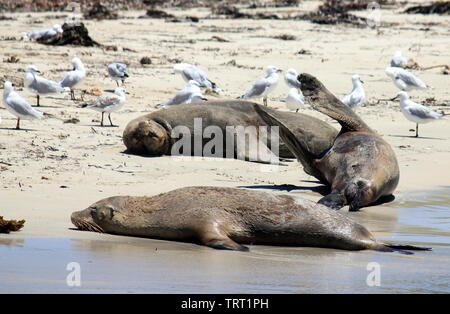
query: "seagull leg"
265, 101
18, 124
109, 116
37, 99
101, 123
117, 83
417, 129
296, 110
72, 94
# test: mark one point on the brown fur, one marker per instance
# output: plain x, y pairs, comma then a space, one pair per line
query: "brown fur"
224, 218
360, 167
150, 134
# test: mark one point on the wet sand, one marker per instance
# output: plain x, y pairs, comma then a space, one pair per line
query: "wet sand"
51, 169
118, 264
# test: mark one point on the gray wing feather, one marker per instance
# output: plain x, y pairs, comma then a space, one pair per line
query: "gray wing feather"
424, 113
257, 89
21, 106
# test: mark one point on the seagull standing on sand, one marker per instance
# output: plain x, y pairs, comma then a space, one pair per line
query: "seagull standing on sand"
265, 85
190, 72
295, 99
357, 96
290, 77
45, 33
191, 93
398, 60
74, 77
39, 85
118, 71
109, 103
416, 112
404, 80
18, 106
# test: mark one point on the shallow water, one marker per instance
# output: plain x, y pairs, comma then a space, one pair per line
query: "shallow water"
124, 264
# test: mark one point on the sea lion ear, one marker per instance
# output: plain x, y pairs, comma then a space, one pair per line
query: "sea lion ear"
105, 212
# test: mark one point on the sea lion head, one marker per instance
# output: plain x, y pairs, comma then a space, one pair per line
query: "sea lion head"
106, 215
146, 137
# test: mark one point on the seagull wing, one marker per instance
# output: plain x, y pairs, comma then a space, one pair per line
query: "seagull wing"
21, 106
257, 89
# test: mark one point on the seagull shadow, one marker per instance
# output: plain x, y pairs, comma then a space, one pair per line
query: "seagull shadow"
41, 106
420, 137
14, 129
102, 126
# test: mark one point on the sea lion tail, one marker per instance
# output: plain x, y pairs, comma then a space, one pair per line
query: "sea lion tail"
400, 248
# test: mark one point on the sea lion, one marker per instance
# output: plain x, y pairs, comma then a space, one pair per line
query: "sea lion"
151, 134
360, 167
223, 218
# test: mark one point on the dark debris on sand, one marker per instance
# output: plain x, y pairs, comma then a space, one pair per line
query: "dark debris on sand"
439, 7
100, 12
6, 226
335, 12
73, 34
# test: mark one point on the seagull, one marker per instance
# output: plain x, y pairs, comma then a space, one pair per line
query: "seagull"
118, 71
74, 77
191, 72
295, 99
265, 85
416, 112
39, 85
18, 106
45, 33
357, 95
290, 77
398, 60
191, 93
404, 80
109, 103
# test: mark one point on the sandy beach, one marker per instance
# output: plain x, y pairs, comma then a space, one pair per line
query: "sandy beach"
50, 168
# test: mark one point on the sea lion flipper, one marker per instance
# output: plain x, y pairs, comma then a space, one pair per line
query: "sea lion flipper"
226, 244
334, 200
296, 145
322, 100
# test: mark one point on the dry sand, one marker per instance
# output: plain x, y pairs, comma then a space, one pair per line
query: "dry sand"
50, 169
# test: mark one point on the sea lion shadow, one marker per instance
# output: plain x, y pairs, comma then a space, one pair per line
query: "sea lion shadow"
382, 200
321, 189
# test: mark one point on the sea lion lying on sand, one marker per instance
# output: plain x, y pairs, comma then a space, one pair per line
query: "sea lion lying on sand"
223, 218
151, 133
359, 166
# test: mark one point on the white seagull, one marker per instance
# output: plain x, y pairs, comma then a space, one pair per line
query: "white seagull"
357, 96
109, 103
118, 71
39, 85
398, 60
74, 77
290, 77
416, 112
45, 33
191, 72
295, 99
404, 80
265, 85
191, 93
18, 106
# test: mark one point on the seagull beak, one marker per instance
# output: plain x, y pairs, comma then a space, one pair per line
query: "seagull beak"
361, 81
396, 97
279, 70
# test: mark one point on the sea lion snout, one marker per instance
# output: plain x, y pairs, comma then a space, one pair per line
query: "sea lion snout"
99, 216
146, 137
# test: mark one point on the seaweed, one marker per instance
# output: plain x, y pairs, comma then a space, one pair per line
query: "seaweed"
73, 34
439, 7
6, 226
